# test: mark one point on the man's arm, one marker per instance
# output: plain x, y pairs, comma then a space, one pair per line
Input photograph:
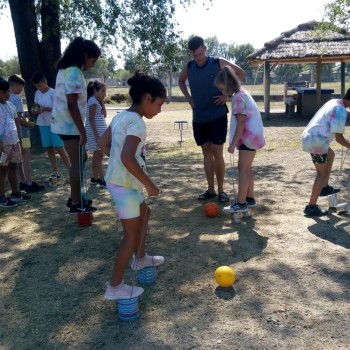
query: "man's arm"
183, 87
238, 70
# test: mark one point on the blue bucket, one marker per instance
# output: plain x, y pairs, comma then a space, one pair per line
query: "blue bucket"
147, 275
128, 309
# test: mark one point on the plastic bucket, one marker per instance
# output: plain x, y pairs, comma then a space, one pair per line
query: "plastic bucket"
147, 275
128, 309
84, 219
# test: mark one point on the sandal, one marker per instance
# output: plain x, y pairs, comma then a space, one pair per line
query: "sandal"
223, 197
206, 195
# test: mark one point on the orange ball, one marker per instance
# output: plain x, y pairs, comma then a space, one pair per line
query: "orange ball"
211, 209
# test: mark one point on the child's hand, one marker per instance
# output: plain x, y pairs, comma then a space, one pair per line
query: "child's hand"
231, 148
220, 100
152, 190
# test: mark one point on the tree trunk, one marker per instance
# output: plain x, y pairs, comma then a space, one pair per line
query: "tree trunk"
34, 56
51, 42
23, 17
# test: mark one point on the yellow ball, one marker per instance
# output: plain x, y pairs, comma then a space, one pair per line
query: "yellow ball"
224, 276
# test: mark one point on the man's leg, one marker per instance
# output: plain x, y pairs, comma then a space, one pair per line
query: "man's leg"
208, 160
219, 165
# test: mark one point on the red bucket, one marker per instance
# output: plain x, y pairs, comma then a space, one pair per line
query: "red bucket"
84, 219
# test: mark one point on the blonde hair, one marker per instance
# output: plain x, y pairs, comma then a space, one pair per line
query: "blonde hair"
228, 78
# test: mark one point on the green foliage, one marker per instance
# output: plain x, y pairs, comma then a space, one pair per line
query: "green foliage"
338, 13
9, 67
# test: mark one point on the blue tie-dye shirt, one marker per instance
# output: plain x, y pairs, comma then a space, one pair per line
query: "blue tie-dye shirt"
68, 81
329, 120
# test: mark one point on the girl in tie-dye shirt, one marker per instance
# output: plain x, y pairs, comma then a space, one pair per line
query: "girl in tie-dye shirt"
68, 112
125, 177
246, 134
327, 124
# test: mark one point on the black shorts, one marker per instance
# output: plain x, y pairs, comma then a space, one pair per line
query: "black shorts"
69, 137
319, 158
214, 131
243, 147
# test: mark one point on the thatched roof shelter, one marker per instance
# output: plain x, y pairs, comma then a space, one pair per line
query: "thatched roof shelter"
303, 44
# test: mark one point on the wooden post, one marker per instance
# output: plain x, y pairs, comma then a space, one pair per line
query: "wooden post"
267, 89
318, 83
342, 78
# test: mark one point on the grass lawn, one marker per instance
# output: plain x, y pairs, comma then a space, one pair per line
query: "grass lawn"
292, 272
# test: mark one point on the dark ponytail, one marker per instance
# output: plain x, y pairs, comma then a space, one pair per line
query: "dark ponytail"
141, 83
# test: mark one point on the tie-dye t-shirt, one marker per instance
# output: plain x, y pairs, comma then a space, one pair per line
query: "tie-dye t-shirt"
253, 133
68, 81
320, 132
123, 124
8, 129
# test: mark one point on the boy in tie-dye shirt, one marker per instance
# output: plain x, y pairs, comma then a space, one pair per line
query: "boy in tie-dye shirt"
327, 124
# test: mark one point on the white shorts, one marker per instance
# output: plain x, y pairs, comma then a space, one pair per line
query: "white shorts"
127, 200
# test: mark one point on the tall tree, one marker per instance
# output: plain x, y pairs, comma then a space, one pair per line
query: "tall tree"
40, 25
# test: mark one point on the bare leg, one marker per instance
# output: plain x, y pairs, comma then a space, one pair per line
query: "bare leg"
208, 160
323, 172
27, 166
245, 174
219, 165
72, 148
3, 171
12, 177
51, 153
64, 157
96, 164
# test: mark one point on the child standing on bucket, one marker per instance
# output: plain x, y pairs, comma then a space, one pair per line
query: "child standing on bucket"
95, 125
123, 142
246, 134
327, 124
69, 110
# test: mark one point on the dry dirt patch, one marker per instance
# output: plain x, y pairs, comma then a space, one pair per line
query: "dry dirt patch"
293, 279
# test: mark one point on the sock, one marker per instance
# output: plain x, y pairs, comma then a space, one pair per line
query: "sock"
249, 198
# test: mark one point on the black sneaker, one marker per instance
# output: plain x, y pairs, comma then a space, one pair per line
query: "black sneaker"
6, 202
328, 190
223, 197
22, 185
78, 208
69, 202
102, 183
20, 197
236, 207
34, 187
94, 181
314, 210
251, 203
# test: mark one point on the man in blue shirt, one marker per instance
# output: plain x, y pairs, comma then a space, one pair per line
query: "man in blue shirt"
209, 112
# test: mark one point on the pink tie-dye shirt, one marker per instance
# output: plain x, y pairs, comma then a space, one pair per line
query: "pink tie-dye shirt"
253, 133
320, 132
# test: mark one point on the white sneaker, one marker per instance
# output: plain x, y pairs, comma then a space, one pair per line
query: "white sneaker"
122, 291
146, 261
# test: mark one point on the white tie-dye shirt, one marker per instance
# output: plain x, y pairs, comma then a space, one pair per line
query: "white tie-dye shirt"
253, 133
320, 132
8, 129
123, 124
68, 81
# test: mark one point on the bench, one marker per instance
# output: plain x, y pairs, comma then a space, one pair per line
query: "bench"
291, 101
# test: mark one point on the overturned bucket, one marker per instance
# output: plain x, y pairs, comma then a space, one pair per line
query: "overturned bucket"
128, 309
84, 219
147, 275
